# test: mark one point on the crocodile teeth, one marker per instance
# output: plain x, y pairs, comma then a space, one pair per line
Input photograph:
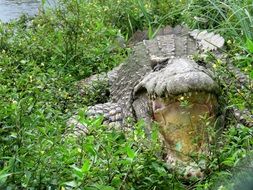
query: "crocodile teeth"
153, 96
208, 98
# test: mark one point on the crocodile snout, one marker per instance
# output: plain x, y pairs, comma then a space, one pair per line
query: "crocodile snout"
184, 104
184, 122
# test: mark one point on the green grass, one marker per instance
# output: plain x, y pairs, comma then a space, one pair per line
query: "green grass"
42, 58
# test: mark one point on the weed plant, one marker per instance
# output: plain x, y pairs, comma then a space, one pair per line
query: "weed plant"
41, 59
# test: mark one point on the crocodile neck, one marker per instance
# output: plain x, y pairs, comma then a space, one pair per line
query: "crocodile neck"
128, 76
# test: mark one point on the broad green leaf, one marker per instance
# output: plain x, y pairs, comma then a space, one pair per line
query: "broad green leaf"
23, 61
249, 45
90, 149
99, 187
86, 166
104, 187
229, 161
130, 152
78, 172
3, 177
43, 2
251, 74
71, 184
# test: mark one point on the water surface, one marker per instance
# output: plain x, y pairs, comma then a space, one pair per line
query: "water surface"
11, 9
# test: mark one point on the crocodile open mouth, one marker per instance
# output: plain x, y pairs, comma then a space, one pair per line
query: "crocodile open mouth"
184, 121
184, 103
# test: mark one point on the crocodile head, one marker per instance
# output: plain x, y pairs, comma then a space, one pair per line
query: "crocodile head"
184, 102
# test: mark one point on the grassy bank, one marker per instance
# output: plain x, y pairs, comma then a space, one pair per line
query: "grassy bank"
41, 58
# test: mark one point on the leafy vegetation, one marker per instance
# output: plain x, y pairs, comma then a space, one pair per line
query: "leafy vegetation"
41, 58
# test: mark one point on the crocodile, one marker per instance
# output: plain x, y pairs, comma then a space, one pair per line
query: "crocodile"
162, 82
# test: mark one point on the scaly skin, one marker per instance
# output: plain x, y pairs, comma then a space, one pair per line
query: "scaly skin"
149, 83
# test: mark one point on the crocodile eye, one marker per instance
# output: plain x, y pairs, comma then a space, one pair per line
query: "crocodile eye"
160, 66
201, 63
157, 63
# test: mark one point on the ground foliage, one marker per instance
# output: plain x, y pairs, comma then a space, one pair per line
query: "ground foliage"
41, 58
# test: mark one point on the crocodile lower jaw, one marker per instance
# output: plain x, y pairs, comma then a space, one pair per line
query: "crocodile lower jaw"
184, 122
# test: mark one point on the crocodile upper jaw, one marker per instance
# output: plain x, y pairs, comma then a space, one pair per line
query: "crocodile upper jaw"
180, 75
